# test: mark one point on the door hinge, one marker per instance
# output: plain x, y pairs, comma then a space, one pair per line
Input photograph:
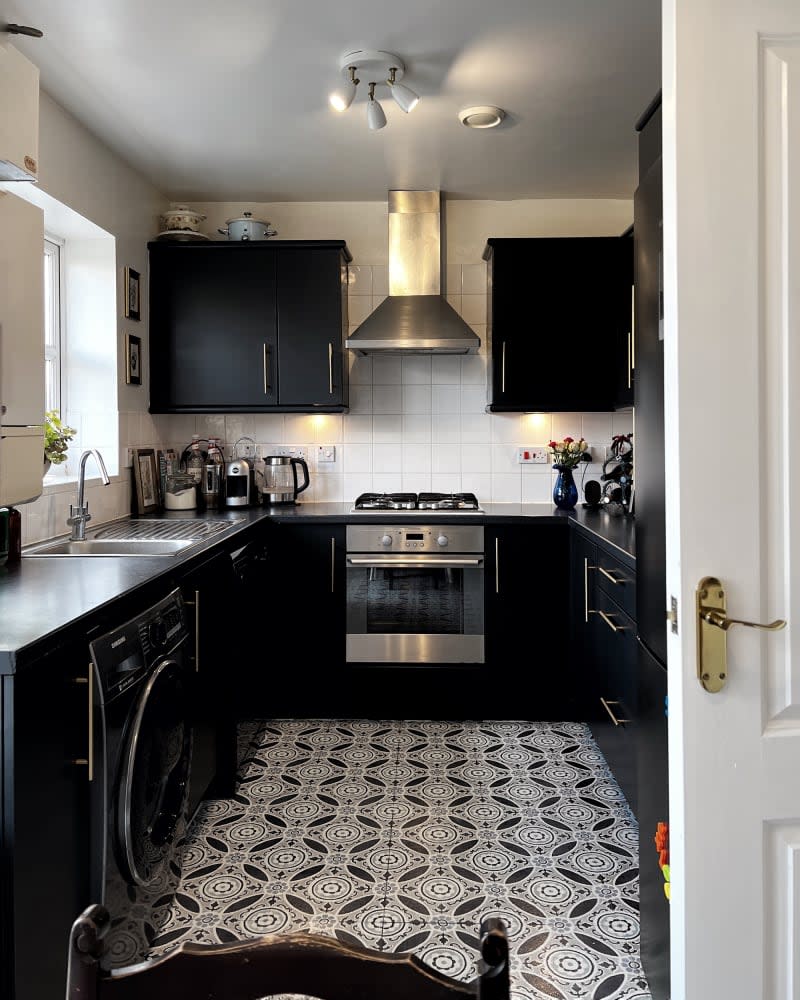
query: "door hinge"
672, 614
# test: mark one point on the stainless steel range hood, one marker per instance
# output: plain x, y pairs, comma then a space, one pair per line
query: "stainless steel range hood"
416, 318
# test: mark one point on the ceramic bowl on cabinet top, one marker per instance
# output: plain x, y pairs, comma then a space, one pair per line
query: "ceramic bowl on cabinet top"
181, 217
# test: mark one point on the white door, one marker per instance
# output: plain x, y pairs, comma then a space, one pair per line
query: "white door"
731, 120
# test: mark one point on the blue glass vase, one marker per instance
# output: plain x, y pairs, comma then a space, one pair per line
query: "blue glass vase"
565, 492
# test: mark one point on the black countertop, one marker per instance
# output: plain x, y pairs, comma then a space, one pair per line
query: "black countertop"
42, 596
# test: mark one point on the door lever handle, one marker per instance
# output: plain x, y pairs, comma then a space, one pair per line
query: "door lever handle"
721, 620
713, 624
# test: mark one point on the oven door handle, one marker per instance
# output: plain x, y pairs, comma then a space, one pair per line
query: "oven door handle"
413, 562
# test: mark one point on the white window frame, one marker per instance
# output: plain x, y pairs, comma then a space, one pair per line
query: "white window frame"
54, 262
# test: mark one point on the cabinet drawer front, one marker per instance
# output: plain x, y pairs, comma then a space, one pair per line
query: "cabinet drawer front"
617, 580
617, 633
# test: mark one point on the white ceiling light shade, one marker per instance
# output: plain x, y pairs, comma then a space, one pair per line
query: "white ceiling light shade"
341, 98
482, 116
375, 117
404, 96
377, 68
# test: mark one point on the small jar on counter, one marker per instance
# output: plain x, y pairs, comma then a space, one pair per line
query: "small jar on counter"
180, 492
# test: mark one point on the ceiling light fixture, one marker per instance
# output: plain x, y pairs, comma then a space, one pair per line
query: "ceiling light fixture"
482, 116
377, 68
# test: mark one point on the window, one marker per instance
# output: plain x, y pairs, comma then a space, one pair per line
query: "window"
52, 324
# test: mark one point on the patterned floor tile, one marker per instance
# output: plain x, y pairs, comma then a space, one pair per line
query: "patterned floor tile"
404, 835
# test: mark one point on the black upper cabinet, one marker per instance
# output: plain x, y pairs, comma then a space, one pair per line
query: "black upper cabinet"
248, 327
557, 310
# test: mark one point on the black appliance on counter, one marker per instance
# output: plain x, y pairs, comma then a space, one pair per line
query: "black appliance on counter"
651, 598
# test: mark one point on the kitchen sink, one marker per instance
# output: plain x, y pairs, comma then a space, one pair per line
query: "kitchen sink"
145, 537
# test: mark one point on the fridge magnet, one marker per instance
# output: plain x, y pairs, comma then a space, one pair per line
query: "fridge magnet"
132, 293
133, 359
145, 477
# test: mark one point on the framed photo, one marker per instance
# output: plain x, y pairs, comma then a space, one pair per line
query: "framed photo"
133, 359
146, 480
132, 293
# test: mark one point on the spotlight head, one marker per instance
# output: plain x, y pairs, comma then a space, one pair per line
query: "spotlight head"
376, 119
341, 98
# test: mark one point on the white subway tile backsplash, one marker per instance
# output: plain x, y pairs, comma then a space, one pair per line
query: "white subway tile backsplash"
506, 489
445, 482
506, 427
210, 425
622, 422
416, 369
238, 425
473, 399
446, 427
567, 425
473, 308
387, 483
387, 458
504, 460
328, 428
387, 399
387, 370
476, 458
445, 399
417, 428
473, 370
358, 308
357, 458
358, 428
416, 458
360, 399
360, 369
416, 399
476, 427
329, 489
473, 279
269, 427
380, 280
537, 489
596, 428
386, 429
297, 427
359, 278
413, 482
446, 458
479, 483
446, 369
355, 484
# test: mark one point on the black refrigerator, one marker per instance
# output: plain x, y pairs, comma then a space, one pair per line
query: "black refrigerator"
651, 600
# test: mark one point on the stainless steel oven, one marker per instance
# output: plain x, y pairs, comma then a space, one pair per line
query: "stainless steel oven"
415, 593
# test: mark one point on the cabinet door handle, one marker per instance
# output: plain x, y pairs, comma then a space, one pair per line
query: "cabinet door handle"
196, 605
333, 564
609, 576
606, 706
633, 328
497, 565
503, 368
267, 387
630, 357
88, 762
611, 625
330, 369
586, 568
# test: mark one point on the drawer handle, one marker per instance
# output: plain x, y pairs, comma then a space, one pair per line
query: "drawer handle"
586, 608
611, 625
608, 576
607, 706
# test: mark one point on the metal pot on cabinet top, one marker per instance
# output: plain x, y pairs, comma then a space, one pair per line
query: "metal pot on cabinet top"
246, 228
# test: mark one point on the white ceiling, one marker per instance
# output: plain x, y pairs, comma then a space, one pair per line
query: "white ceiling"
228, 101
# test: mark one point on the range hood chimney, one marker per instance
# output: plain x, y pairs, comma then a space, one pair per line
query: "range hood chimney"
416, 318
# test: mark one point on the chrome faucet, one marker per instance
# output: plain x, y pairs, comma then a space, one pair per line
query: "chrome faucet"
79, 513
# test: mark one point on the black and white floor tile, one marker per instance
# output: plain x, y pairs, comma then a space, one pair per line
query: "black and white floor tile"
403, 835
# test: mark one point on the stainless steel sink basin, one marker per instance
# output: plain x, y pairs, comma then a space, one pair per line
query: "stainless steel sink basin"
137, 537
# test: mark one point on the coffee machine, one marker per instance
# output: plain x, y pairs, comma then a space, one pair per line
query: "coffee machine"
239, 483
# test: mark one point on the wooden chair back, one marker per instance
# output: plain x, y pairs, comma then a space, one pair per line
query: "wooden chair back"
304, 964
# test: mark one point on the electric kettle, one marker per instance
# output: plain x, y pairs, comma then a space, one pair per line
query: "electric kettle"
280, 479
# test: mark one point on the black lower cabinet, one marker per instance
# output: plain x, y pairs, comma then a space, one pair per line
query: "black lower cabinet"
218, 651
45, 819
653, 808
526, 586
302, 636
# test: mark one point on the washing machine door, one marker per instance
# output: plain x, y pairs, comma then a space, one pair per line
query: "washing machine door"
154, 779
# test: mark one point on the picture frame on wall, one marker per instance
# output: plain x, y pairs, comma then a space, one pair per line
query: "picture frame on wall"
146, 480
133, 359
133, 283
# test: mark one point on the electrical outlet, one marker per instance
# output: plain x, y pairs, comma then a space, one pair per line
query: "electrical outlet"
326, 453
532, 456
293, 450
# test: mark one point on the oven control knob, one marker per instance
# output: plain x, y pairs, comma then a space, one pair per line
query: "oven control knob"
442, 540
386, 541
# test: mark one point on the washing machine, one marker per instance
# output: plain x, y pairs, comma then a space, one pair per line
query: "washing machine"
144, 683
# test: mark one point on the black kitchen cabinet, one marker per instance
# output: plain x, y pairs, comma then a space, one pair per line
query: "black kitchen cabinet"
526, 580
246, 327
207, 590
301, 667
604, 652
45, 818
557, 310
625, 353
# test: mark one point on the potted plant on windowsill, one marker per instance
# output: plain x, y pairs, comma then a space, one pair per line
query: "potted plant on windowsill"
57, 436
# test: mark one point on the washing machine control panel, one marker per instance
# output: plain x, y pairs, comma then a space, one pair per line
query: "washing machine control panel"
124, 654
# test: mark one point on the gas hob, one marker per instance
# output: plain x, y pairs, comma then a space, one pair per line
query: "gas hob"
420, 503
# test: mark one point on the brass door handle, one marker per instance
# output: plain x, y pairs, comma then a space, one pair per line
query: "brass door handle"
712, 630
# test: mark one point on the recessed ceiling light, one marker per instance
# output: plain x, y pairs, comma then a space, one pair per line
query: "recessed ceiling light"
483, 116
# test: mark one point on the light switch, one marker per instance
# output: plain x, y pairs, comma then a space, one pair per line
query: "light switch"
326, 453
